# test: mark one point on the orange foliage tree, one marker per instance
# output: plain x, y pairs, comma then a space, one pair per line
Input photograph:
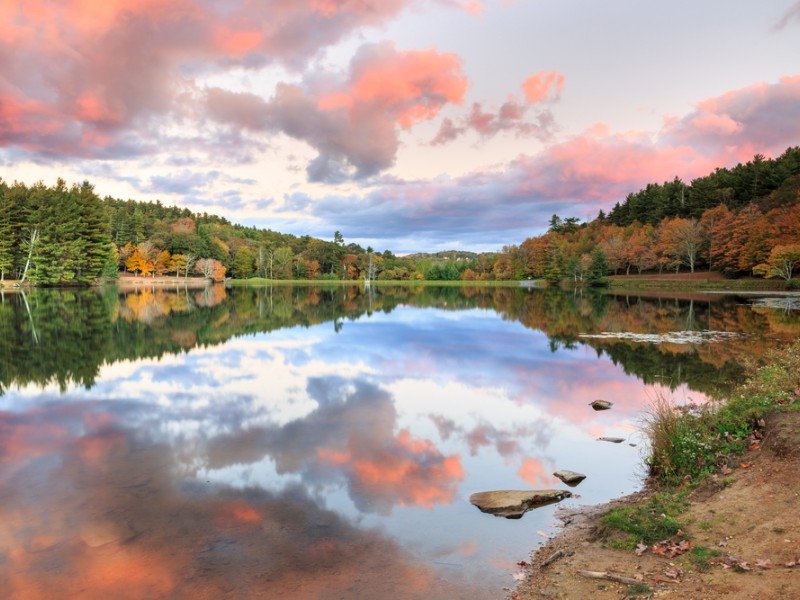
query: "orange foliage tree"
210, 268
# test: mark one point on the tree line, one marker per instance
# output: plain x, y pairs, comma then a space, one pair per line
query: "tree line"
739, 221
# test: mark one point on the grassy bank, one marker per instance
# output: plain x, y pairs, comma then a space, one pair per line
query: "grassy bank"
688, 283
690, 444
260, 282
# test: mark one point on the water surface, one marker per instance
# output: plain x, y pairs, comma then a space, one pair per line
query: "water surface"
323, 443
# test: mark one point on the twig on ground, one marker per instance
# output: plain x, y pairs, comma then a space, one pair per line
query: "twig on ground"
609, 577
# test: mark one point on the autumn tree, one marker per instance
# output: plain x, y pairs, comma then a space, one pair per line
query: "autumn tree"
162, 262
210, 268
682, 240
137, 263
782, 262
124, 253
178, 263
614, 248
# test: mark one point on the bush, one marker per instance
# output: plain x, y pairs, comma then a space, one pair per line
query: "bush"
692, 442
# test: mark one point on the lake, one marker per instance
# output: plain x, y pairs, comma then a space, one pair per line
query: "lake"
323, 442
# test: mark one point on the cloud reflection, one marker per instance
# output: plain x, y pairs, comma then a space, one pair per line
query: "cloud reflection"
351, 436
99, 512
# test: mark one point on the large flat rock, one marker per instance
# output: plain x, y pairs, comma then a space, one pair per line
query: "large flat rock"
512, 504
571, 478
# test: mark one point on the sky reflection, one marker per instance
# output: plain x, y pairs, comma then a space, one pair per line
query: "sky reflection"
308, 462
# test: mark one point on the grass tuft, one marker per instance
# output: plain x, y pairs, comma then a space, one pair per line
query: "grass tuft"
700, 557
689, 443
647, 522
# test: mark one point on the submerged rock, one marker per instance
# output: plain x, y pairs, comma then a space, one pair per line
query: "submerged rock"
512, 504
570, 477
601, 404
613, 440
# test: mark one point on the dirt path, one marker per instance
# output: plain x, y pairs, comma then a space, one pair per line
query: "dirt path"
743, 528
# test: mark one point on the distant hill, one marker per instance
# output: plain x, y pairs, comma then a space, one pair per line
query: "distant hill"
445, 255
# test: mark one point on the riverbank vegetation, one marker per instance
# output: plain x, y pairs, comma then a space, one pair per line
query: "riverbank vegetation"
689, 444
692, 442
717, 521
743, 221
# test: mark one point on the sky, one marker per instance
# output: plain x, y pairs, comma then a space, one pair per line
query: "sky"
408, 125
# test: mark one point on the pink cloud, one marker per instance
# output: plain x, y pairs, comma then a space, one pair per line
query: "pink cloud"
543, 86
411, 85
93, 77
763, 117
598, 167
352, 119
511, 115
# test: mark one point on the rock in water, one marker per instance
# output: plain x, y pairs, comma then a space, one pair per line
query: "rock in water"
570, 477
601, 404
512, 504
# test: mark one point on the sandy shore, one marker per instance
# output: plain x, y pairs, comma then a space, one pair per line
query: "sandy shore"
741, 538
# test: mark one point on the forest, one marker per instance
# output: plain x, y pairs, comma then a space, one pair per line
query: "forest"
740, 221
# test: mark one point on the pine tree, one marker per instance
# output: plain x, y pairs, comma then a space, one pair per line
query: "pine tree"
598, 270
9, 231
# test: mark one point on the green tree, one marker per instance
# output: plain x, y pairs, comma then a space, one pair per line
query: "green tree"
243, 263
9, 230
283, 262
598, 269
554, 272
782, 262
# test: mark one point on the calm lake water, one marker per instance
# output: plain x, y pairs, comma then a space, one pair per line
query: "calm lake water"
306, 442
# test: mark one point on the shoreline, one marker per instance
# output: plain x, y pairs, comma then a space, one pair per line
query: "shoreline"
700, 530
742, 536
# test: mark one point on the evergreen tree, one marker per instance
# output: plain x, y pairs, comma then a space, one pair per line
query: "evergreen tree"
9, 230
598, 270
554, 272
94, 230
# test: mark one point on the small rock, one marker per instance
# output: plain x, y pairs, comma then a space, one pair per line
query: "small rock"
512, 504
601, 404
570, 477
613, 440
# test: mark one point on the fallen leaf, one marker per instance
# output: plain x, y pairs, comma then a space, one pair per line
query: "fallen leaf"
640, 549
722, 544
543, 534
522, 564
746, 465
669, 549
764, 564
519, 576
738, 564
674, 573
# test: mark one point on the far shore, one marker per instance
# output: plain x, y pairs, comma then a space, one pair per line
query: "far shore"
648, 283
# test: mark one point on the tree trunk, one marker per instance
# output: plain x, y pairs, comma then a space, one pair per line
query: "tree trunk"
33, 240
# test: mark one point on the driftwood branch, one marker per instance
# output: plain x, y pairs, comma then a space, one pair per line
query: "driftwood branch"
609, 577
552, 558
